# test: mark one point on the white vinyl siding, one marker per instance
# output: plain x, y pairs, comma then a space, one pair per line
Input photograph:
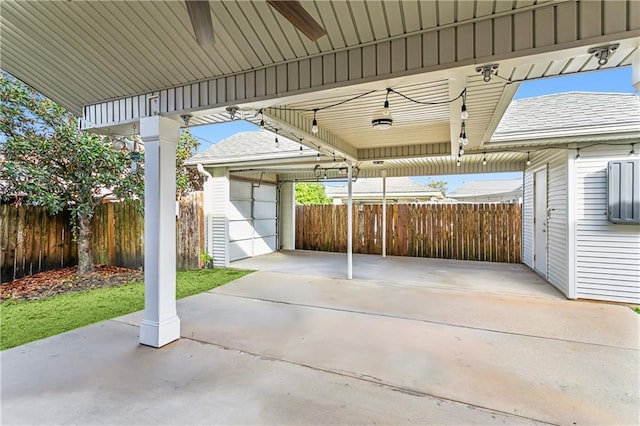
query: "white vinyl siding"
607, 255
556, 166
216, 198
527, 218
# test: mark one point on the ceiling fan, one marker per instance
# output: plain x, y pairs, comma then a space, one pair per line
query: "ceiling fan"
291, 10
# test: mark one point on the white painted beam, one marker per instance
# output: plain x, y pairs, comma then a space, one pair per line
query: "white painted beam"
160, 324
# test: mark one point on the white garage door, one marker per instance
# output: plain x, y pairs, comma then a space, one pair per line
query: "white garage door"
252, 219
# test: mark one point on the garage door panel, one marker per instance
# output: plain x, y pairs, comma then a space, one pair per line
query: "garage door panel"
265, 227
239, 190
240, 249
264, 246
264, 193
240, 210
240, 230
264, 210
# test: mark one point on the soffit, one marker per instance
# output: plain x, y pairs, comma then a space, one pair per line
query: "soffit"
83, 52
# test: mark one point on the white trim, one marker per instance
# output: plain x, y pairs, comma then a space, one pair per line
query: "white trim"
543, 167
571, 224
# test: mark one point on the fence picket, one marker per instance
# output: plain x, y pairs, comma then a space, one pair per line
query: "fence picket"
489, 232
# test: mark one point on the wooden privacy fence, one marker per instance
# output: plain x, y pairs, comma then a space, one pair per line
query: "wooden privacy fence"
487, 232
34, 241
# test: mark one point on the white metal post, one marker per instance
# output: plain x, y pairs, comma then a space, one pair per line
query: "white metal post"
160, 324
384, 213
349, 224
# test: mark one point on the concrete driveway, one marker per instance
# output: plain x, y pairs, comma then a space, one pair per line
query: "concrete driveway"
284, 348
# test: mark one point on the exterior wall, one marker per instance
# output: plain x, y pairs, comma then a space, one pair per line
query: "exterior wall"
557, 190
287, 216
607, 255
217, 198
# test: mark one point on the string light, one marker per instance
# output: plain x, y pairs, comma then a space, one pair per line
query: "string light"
633, 150
464, 114
577, 153
314, 123
484, 159
261, 120
277, 141
463, 134
318, 155
461, 150
528, 159
385, 109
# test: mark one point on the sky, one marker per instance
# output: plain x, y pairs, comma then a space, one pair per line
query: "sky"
616, 80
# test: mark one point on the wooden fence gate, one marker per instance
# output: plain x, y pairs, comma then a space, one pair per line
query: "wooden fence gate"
486, 232
33, 241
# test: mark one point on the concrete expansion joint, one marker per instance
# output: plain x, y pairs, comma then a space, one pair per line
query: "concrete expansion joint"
368, 379
445, 324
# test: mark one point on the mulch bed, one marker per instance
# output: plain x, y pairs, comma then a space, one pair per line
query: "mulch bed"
58, 281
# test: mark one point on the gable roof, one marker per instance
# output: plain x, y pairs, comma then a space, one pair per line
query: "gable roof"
486, 187
395, 186
569, 114
251, 145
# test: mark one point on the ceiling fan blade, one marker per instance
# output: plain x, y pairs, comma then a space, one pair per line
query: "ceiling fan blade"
293, 12
200, 15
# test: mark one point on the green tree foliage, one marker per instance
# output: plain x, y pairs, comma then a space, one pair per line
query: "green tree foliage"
46, 161
187, 179
440, 185
308, 194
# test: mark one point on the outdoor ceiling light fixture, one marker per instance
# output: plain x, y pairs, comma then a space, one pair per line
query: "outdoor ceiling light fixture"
602, 53
487, 71
186, 118
382, 120
118, 143
232, 111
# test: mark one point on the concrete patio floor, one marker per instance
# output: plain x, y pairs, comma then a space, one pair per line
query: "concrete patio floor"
279, 347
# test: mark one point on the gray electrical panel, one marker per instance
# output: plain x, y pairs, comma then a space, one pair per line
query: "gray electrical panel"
623, 191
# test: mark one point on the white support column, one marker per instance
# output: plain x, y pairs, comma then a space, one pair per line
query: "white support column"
349, 223
384, 213
288, 216
160, 324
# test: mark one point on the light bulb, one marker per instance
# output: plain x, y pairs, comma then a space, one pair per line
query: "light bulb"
277, 143
314, 126
484, 162
528, 159
325, 174
261, 125
461, 150
458, 163
300, 149
318, 156
464, 114
385, 109
465, 141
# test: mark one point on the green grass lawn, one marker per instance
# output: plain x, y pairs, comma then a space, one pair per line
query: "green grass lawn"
25, 321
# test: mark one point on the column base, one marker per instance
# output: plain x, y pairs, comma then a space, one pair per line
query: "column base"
158, 334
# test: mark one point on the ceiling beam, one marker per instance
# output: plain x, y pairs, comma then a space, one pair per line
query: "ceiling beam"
299, 126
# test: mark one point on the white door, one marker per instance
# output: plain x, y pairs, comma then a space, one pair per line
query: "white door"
252, 219
540, 222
